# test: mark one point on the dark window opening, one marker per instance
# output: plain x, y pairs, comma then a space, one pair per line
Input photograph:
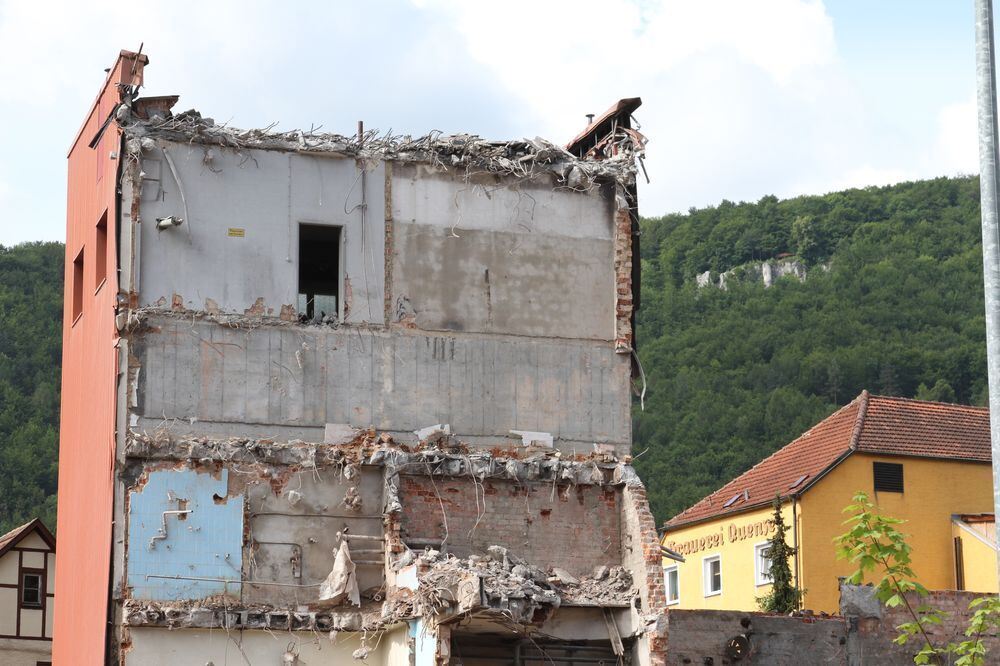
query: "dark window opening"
31, 590
101, 251
319, 272
78, 285
888, 477
499, 649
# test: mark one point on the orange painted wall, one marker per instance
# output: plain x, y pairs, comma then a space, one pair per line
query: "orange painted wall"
87, 427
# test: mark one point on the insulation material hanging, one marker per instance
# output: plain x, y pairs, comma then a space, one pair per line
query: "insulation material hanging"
343, 581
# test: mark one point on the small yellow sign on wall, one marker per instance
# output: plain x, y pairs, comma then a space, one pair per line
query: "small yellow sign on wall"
237, 232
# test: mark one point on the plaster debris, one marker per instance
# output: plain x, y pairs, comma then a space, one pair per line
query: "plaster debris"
532, 438
352, 498
425, 433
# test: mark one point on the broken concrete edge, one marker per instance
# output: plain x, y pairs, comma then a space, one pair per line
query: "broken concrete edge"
135, 319
445, 588
439, 456
221, 613
525, 158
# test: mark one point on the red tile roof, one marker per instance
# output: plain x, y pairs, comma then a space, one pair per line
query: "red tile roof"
873, 424
900, 426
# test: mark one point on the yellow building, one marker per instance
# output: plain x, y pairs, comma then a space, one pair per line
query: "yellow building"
924, 462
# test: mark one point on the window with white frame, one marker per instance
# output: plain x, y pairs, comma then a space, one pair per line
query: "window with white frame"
672, 583
762, 563
712, 575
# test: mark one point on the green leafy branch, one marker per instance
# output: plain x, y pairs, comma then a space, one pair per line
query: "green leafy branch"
875, 545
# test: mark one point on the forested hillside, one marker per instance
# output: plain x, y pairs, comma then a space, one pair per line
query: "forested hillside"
31, 279
735, 374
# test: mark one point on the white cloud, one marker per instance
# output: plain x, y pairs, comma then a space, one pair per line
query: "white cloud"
741, 99
48, 48
560, 56
957, 149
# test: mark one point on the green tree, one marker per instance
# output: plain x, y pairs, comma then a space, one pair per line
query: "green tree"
806, 238
784, 596
940, 392
31, 277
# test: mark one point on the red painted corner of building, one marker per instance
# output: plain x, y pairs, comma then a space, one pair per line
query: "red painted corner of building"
89, 371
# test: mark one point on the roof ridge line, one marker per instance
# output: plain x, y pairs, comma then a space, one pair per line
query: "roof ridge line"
897, 398
859, 422
706, 498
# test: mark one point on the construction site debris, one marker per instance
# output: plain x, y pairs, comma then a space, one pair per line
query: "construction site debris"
342, 583
367, 448
524, 158
514, 587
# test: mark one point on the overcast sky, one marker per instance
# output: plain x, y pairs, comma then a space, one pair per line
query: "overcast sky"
741, 98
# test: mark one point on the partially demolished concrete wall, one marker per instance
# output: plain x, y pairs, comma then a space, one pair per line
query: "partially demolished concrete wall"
438, 458
242, 535
289, 381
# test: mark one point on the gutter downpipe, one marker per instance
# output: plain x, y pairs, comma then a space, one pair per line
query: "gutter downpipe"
986, 96
795, 540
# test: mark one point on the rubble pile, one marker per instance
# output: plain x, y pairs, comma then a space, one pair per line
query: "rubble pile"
524, 158
514, 586
608, 586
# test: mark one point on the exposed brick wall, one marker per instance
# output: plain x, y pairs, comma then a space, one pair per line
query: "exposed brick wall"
623, 277
875, 633
643, 559
572, 527
646, 547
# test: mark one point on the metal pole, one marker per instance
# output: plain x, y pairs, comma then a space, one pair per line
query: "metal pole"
986, 94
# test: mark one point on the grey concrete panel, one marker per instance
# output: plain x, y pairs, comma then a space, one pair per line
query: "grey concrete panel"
423, 194
397, 380
301, 522
265, 196
505, 281
481, 253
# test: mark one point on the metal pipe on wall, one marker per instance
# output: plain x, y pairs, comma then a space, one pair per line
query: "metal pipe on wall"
986, 95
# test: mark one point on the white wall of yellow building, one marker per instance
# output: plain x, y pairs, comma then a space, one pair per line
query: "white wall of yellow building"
733, 539
979, 560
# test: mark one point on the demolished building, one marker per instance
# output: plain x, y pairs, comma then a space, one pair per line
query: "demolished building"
349, 397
